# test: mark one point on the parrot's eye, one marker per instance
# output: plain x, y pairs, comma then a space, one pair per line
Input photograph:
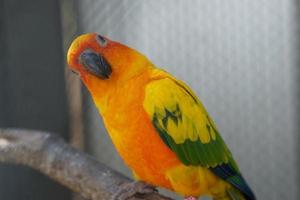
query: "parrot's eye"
101, 40
75, 72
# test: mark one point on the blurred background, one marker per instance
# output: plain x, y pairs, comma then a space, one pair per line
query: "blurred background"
242, 58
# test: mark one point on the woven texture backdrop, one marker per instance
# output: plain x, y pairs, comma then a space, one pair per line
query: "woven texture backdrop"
240, 57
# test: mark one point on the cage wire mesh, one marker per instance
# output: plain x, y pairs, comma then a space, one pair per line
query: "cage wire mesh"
240, 57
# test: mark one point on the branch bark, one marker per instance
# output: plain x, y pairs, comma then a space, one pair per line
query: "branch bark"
53, 157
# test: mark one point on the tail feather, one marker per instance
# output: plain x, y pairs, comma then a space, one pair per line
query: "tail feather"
241, 185
230, 194
230, 175
235, 194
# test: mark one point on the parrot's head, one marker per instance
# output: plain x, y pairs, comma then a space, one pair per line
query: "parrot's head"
103, 63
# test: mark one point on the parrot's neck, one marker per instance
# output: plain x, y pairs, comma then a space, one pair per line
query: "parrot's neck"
104, 92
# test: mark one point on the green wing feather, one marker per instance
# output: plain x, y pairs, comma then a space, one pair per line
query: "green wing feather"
184, 124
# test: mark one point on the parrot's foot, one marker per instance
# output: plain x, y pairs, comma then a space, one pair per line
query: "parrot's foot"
190, 198
129, 190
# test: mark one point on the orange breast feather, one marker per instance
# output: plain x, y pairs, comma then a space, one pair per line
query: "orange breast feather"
134, 136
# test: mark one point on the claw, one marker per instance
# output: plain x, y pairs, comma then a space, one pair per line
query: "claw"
126, 191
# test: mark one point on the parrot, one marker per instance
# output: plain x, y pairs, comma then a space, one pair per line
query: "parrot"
156, 122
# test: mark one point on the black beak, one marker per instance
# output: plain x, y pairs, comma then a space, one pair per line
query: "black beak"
95, 64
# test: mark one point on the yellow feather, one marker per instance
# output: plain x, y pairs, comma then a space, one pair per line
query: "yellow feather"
164, 94
195, 181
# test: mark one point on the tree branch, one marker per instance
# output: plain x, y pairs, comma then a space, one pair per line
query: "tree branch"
53, 157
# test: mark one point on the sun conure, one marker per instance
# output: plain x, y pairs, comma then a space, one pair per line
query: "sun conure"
156, 122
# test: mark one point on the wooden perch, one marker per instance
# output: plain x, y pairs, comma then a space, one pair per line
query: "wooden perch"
53, 157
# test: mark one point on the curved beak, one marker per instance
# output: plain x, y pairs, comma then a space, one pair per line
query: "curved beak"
95, 63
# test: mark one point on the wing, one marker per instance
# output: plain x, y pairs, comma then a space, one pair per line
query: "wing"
186, 128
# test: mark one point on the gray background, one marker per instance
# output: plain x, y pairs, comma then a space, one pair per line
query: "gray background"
32, 92
242, 60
